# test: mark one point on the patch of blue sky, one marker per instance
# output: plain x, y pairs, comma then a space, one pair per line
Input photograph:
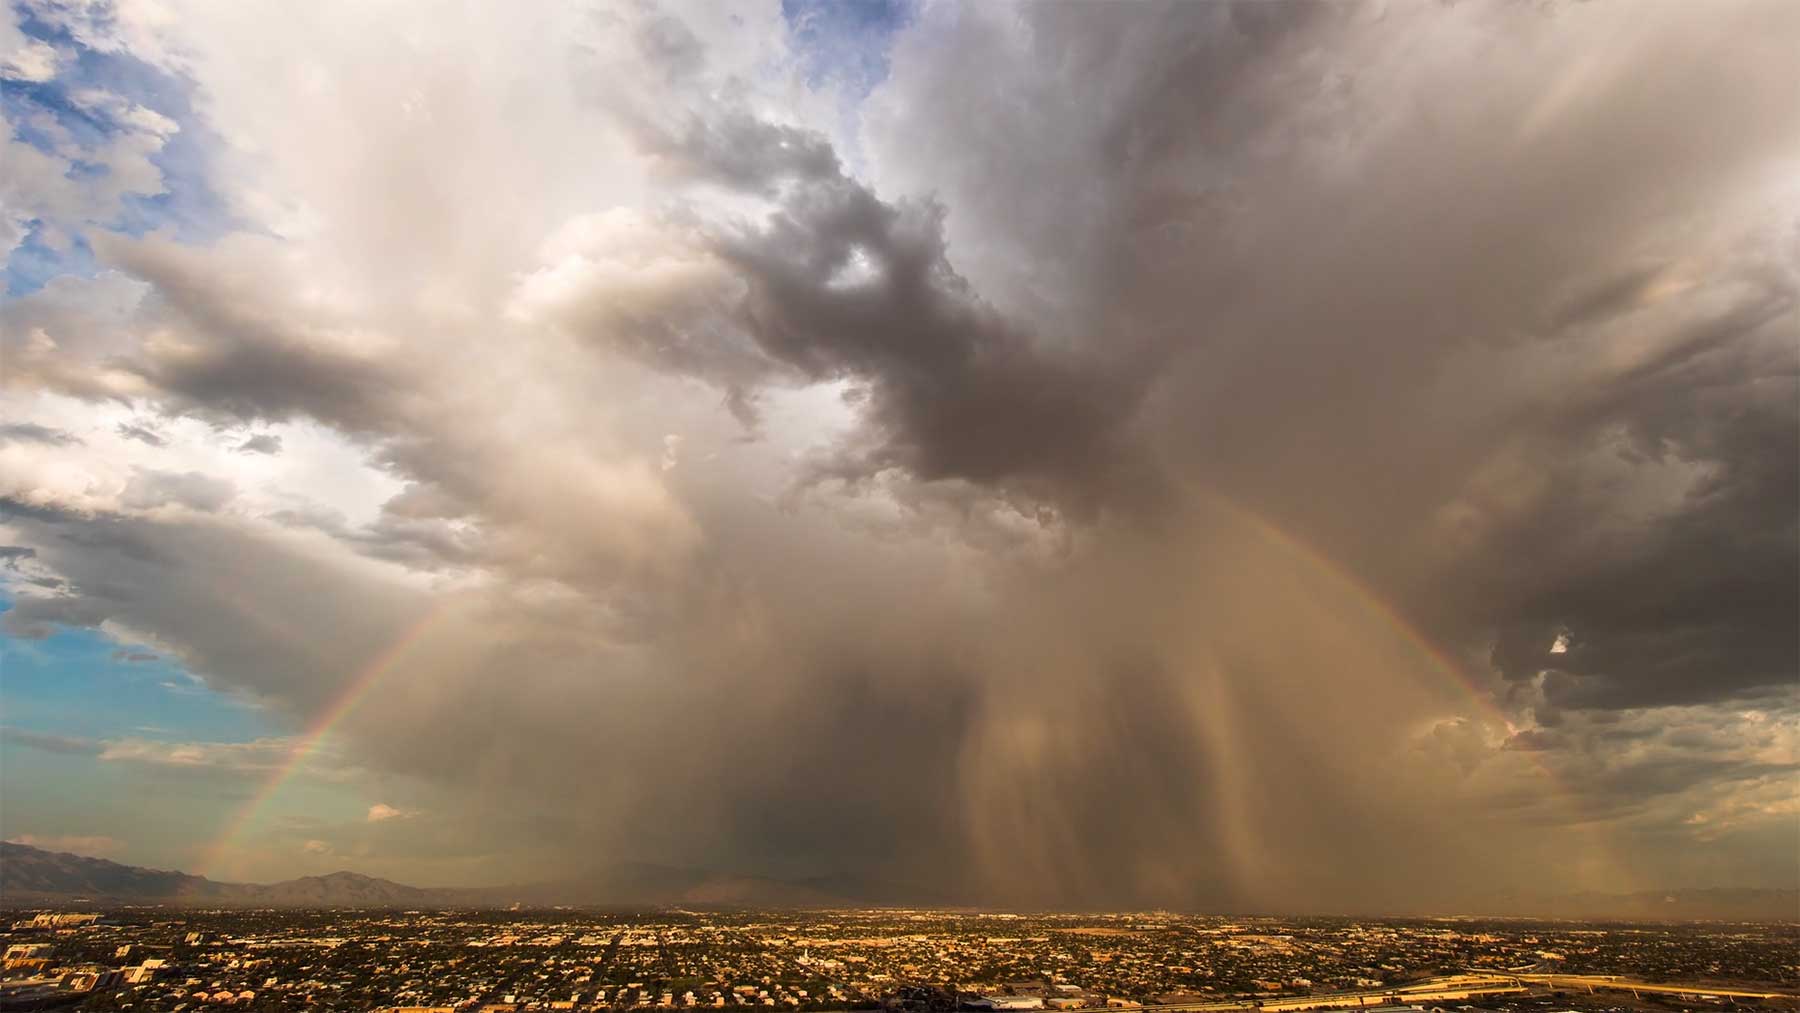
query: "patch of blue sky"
33, 107
81, 683
845, 43
53, 117
34, 262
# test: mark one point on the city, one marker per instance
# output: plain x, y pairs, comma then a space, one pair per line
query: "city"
895, 959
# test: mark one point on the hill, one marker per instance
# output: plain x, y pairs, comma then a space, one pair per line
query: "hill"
32, 876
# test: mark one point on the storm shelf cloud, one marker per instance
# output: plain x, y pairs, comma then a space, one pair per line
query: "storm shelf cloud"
1044, 454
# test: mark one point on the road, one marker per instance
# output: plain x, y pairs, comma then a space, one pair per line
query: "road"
1618, 984
1456, 987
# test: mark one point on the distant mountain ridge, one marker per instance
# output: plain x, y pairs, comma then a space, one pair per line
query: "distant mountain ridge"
26, 872
33, 877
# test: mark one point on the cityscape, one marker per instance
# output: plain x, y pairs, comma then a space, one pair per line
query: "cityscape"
918, 961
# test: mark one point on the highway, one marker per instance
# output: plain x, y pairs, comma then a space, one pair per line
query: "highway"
1458, 987
1612, 982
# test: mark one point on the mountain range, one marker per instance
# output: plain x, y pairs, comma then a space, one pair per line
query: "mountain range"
33, 877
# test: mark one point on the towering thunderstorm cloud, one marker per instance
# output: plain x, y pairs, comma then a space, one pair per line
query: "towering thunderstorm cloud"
1206, 454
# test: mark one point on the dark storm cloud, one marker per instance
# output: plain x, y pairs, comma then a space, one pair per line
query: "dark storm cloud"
1450, 337
1699, 605
1322, 271
142, 434
239, 359
737, 149
242, 608
239, 379
37, 617
29, 432
21, 560
425, 542
845, 286
1301, 356
1317, 283
842, 285
230, 351
1473, 315
711, 140
149, 489
261, 443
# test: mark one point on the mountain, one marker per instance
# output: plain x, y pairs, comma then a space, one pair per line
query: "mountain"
30, 876
339, 889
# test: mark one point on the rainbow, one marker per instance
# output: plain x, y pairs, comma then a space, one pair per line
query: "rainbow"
358, 688
1374, 603
310, 740
1557, 793
1378, 606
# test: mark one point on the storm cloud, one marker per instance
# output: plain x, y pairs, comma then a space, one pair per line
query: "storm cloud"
1209, 455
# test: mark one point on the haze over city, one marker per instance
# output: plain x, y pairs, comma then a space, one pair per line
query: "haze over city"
1218, 457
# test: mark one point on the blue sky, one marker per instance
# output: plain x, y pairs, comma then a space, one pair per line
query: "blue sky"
114, 750
51, 116
66, 696
79, 683
846, 43
82, 683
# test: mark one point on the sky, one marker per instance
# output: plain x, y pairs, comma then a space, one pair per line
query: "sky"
1263, 456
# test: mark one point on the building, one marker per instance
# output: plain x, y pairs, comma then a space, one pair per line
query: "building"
90, 979
63, 921
143, 972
